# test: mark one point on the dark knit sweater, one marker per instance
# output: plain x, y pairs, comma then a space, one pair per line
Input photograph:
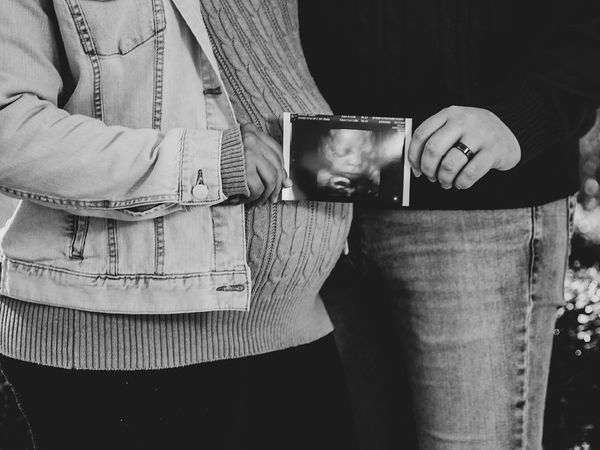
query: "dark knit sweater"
534, 64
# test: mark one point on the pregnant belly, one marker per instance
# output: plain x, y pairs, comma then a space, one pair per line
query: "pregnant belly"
293, 246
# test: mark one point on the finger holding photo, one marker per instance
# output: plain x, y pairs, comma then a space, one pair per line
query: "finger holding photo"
265, 174
445, 147
439, 162
420, 138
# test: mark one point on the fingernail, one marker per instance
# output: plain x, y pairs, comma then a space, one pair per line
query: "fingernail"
288, 183
433, 180
416, 173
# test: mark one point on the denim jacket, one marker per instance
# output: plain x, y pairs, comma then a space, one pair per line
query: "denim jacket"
115, 155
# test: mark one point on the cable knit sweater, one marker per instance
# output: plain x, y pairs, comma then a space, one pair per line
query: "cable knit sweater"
291, 248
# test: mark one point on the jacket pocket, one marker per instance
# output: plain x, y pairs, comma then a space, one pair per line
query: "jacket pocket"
79, 227
116, 27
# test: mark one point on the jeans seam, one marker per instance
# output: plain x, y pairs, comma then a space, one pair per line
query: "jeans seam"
522, 402
571, 205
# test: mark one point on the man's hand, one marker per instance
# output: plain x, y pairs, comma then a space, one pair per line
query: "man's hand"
432, 151
265, 174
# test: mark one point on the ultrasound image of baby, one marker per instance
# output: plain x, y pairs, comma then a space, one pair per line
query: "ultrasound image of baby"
351, 162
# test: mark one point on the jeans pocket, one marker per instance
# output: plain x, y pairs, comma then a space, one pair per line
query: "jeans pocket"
116, 27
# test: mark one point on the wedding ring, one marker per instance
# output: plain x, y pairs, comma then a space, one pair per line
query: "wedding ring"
464, 150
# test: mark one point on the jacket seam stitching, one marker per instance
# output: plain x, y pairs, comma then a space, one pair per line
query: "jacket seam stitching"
87, 41
181, 162
111, 230
91, 204
159, 46
127, 275
85, 34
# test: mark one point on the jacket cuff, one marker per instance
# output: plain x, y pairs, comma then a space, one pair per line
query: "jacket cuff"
529, 116
233, 164
200, 178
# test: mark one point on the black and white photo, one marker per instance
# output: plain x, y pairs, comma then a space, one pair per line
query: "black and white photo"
347, 158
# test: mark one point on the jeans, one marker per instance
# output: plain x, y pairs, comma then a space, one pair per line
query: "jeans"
471, 297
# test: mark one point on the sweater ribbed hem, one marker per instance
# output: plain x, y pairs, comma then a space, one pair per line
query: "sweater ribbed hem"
233, 164
529, 116
72, 339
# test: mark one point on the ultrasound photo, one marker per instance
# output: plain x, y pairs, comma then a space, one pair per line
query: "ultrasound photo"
347, 158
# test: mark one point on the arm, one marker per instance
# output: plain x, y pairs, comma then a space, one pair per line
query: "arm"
79, 164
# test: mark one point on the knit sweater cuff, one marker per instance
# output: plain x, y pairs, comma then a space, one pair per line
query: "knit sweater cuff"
233, 164
529, 116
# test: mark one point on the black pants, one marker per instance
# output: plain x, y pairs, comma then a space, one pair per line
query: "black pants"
291, 399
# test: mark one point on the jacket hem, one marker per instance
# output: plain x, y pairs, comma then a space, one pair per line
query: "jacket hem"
128, 293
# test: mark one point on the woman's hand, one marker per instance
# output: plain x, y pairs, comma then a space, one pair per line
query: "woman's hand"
265, 174
492, 143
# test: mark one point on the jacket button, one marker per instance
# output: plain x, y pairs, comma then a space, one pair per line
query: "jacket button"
200, 191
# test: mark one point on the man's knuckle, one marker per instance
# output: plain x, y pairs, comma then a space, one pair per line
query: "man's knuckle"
412, 158
460, 120
278, 155
469, 173
419, 136
462, 184
443, 179
448, 165
430, 149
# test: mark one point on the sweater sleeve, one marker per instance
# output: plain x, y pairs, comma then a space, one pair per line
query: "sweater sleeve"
558, 99
233, 164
